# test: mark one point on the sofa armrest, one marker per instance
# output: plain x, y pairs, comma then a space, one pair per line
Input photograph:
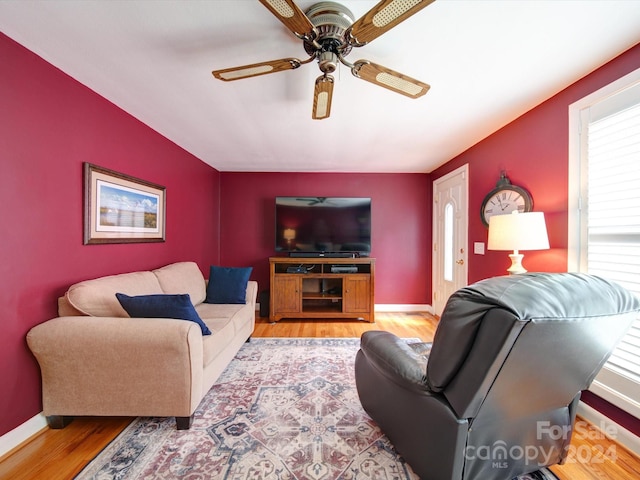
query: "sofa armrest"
113, 366
252, 293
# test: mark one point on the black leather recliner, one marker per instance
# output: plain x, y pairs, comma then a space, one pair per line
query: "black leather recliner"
497, 394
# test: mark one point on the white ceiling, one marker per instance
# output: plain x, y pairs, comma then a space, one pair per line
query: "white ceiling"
487, 63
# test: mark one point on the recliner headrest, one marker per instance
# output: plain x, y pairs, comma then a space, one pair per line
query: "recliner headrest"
523, 297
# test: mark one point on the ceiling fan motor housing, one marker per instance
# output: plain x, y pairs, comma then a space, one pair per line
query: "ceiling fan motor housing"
331, 21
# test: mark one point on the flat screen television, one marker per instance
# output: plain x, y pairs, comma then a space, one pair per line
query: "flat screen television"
323, 225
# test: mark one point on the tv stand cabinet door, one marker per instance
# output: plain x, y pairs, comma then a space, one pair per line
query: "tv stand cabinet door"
357, 294
286, 296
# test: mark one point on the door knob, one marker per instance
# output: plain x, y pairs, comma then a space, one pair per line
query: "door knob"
460, 262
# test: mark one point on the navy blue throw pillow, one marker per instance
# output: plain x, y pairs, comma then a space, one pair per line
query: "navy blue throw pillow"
162, 306
228, 284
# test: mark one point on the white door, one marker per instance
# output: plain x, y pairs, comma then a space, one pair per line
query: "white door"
450, 226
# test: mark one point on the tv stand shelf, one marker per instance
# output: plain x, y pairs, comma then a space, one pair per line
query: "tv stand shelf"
321, 288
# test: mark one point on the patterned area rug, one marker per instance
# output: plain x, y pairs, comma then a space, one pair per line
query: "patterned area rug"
284, 409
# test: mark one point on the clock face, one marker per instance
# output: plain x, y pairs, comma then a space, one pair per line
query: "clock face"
505, 200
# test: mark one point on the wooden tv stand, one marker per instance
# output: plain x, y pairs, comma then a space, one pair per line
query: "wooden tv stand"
322, 287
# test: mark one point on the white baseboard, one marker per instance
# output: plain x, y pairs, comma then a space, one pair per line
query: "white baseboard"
394, 308
622, 436
22, 433
389, 307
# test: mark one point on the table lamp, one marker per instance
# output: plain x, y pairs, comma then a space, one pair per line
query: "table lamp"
518, 231
289, 235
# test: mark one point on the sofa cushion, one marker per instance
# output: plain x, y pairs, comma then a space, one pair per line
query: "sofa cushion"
162, 306
97, 298
225, 321
227, 284
223, 334
236, 313
182, 277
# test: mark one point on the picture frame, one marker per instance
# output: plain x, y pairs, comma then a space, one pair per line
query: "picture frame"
119, 208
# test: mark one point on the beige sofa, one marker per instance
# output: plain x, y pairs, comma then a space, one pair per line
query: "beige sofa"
97, 361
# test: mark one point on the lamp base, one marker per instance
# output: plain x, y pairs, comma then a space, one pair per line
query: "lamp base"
516, 264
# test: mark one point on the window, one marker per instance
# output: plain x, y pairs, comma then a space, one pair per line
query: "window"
604, 214
448, 242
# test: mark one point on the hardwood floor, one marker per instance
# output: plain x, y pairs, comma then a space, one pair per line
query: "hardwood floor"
407, 325
61, 454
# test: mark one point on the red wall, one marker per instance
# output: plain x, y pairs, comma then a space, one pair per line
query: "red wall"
401, 224
533, 150
49, 126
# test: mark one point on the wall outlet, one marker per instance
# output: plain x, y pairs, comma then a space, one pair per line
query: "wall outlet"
478, 248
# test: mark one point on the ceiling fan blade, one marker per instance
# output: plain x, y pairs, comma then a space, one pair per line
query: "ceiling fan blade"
386, 78
293, 18
255, 69
382, 18
322, 95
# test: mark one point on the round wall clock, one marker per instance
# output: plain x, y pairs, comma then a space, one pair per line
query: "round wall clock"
505, 198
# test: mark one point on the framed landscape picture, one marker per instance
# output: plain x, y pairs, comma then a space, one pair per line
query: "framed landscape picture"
119, 208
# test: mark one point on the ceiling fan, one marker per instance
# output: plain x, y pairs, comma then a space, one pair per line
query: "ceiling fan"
312, 200
329, 31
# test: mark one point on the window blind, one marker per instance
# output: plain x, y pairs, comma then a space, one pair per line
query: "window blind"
613, 223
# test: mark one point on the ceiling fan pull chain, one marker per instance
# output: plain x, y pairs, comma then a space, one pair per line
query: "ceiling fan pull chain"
345, 62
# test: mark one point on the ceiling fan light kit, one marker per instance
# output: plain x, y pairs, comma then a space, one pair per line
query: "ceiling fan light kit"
329, 31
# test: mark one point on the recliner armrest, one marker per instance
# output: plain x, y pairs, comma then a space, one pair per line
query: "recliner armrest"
396, 359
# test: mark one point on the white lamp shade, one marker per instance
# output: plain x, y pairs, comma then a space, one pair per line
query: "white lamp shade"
518, 231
